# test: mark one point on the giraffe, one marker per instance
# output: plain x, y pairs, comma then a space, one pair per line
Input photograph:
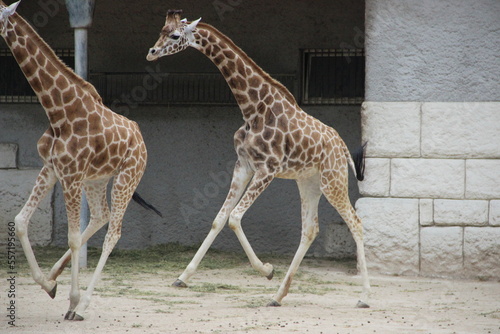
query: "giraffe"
277, 139
85, 146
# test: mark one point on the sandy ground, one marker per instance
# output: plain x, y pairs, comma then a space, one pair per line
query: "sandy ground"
321, 300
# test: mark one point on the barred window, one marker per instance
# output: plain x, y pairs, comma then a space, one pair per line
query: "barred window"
333, 76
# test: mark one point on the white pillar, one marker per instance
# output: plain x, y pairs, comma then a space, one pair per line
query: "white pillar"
81, 68
81, 55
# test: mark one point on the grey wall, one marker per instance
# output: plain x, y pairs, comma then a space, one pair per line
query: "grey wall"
190, 148
191, 157
452, 56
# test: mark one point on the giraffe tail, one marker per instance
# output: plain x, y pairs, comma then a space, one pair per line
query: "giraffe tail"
357, 162
136, 197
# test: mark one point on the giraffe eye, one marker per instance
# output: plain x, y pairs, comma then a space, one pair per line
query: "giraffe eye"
175, 37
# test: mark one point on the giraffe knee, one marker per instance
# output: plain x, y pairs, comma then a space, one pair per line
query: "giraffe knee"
234, 220
219, 223
21, 226
74, 240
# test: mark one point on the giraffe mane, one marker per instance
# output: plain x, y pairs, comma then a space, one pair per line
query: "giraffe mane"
275, 83
57, 62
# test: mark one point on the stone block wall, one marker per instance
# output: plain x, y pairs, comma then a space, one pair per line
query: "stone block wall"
15, 187
432, 188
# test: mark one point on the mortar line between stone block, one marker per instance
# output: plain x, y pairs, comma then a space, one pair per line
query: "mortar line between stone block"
390, 177
420, 130
488, 213
419, 238
465, 179
463, 248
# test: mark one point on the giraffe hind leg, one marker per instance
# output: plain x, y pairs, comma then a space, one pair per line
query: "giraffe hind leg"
339, 199
310, 194
99, 216
121, 195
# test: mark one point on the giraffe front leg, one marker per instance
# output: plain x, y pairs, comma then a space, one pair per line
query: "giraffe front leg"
265, 269
74, 294
241, 177
73, 196
44, 182
259, 183
110, 241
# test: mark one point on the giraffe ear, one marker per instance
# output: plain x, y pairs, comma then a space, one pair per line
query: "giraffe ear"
8, 11
190, 27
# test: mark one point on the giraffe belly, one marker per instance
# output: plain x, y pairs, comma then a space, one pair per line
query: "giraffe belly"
292, 174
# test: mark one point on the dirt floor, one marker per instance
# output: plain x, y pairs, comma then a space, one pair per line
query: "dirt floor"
232, 300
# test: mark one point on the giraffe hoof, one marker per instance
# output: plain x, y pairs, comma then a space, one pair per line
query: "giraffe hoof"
69, 315
179, 284
361, 304
273, 303
52, 293
271, 275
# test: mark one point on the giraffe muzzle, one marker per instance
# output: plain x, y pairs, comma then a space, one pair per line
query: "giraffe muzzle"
153, 54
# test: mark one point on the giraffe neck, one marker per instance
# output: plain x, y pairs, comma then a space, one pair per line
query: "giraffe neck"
249, 83
52, 81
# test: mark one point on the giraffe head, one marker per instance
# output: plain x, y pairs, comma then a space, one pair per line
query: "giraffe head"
175, 36
5, 12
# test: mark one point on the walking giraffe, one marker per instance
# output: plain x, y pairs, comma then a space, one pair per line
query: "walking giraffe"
85, 146
278, 139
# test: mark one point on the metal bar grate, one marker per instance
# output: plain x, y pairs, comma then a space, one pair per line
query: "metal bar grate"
333, 76
170, 88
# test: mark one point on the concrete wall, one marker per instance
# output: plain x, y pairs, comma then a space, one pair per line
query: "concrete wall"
432, 174
432, 50
191, 157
